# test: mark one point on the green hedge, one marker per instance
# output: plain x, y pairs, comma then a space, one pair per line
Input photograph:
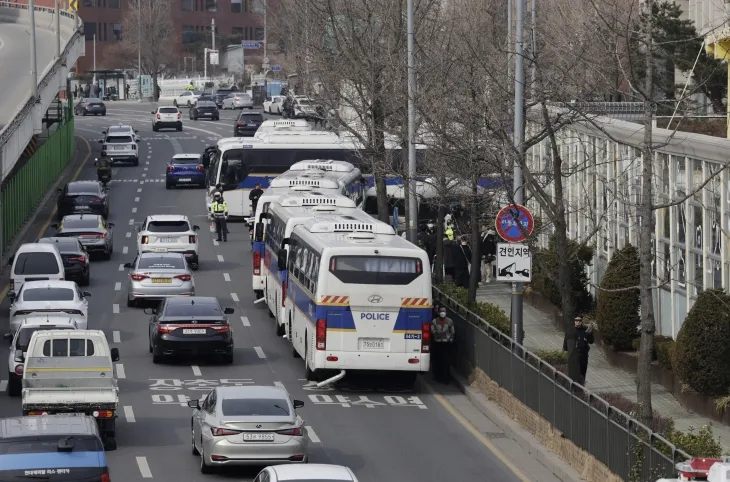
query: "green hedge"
658, 340
553, 357
488, 312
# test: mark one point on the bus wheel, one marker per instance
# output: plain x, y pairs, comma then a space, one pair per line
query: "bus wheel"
280, 330
259, 294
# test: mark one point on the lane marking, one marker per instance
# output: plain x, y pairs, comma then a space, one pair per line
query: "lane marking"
116, 337
234, 297
226, 277
134, 210
129, 235
139, 189
313, 435
147, 162
244, 320
136, 199
144, 174
216, 243
220, 258
259, 352
279, 384
131, 221
129, 414
3, 385
196, 371
144, 467
125, 250
120, 371
118, 286
115, 308
121, 267
476, 433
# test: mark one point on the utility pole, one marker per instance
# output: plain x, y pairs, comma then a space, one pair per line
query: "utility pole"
412, 233
266, 38
94, 58
33, 59
509, 39
205, 65
519, 141
58, 28
533, 49
139, 50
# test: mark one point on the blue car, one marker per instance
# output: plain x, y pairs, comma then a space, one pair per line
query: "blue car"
185, 170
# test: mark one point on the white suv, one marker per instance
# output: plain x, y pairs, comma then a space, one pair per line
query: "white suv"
166, 118
169, 233
120, 147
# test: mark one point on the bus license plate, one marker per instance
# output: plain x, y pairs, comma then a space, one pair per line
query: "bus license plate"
372, 343
258, 437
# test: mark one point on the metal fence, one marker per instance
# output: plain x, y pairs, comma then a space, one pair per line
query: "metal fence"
627, 447
24, 190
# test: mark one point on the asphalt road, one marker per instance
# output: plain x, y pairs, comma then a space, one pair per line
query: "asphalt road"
425, 435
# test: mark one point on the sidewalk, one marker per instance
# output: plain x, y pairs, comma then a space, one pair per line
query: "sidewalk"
540, 334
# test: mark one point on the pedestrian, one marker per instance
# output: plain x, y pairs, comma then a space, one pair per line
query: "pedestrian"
577, 343
449, 248
220, 213
254, 196
126, 91
462, 262
442, 336
76, 91
489, 253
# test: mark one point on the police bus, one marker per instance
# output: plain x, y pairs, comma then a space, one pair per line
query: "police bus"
350, 177
281, 216
358, 298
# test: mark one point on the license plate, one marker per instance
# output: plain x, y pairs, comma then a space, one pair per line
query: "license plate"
372, 343
162, 280
159, 250
200, 331
119, 148
258, 437
168, 240
208, 113
185, 179
83, 208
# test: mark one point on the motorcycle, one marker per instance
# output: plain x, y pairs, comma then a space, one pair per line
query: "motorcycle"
105, 179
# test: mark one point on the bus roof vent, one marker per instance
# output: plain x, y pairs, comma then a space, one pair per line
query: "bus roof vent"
349, 224
304, 182
328, 165
301, 188
316, 199
319, 201
361, 235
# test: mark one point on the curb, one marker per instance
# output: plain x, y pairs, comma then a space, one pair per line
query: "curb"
551, 461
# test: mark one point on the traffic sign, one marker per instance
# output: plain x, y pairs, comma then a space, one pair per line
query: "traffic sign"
276, 68
514, 263
250, 45
73, 5
514, 223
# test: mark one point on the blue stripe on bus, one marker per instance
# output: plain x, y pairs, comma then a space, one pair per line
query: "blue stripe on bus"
251, 181
52, 460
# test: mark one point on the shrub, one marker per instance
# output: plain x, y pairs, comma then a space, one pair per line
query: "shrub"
664, 426
697, 444
553, 357
617, 312
702, 351
658, 339
488, 312
664, 352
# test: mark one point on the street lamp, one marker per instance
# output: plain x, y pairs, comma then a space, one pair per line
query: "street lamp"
139, 50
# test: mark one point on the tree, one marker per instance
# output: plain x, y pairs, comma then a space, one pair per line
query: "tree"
617, 311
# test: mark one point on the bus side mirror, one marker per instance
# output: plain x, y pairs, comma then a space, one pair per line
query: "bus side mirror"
282, 259
259, 234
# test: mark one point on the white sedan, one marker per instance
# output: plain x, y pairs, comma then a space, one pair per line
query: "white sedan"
187, 98
40, 298
237, 100
274, 104
304, 473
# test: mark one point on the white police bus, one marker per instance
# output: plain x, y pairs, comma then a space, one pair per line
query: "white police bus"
358, 298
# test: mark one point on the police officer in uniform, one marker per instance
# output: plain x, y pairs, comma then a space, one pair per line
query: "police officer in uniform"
219, 208
578, 343
442, 334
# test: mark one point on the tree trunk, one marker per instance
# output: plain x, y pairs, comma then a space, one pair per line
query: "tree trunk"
643, 378
475, 244
439, 268
406, 199
381, 161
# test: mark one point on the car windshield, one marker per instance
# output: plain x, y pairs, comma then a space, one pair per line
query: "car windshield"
84, 188
25, 334
36, 264
167, 262
251, 407
168, 227
81, 223
95, 102
197, 92
48, 444
48, 294
120, 129
186, 160
168, 110
192, 310
252, 117
119, 140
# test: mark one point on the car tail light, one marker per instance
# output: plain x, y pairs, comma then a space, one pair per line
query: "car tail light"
222, 328
236, 98
184, 277
19, 369
218, 431
426, 337
170, 168
145, 239
199, 168
103, 414
80, 259
179, 115
166, 328
283, 292
191, 239
138, 277
321, 335
96, 198
256, 263
158, 117
134, 147
105, 478
240, 124
294, 432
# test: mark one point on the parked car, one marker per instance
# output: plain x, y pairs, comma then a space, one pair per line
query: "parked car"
274, 104
204, 109
90, 107
237, 100
247, 124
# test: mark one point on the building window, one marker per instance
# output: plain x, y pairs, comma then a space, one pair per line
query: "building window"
236, 6
117, 32
211, 5
238, 31
89, 30
187, 5
188, 34
259, 34
114, 3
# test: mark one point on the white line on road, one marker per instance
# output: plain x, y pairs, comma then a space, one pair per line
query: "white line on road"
147, 162
259, 352
125, 250
244, 320
144, 174
279, 384
3, 385
121, 267
129, 414
146, 168
139, 189
115, 308
216, 243
131, 221
313, 435
226, 277
118, 286
234, 297
136, 199
120, 371
129, 235
116, 337
144, 467
196, 371
220, 258
149, 156
134, 210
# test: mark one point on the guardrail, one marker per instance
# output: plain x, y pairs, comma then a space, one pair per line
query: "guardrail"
16, 134
627, 447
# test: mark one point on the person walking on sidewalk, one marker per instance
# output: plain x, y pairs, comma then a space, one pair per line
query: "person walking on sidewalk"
488, 253
442, 333
578, 343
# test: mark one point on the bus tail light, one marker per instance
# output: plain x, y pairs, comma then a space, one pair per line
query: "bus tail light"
283, 292
256, 263
426, 337
105, 478
321, 335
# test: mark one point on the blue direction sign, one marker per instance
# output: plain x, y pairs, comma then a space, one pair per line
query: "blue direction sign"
514, 223
276, 68
250, 45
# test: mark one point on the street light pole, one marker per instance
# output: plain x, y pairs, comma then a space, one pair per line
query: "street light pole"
94, 58
139, 49
412, 233
205, 65
33, 59
266, 38
58, 28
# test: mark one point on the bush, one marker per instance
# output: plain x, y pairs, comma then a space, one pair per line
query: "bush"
658, 339
490, 313
553, 357
617, 312
702, 351
664, 426
700, 444
664, 353
544, 277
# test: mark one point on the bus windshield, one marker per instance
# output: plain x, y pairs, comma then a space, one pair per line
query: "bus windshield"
375, 270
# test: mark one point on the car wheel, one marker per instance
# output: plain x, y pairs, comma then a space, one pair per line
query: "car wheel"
84, 114
280, 330
110, 444
103, 114
308, 372
154, 128
152, 350
131, 303
193, 448
86, 279
14, 388
135, 163
168, 185
216, 118
228, 359
204, 467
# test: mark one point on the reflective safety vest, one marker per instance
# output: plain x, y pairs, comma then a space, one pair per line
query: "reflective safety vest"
220, 207
449, 234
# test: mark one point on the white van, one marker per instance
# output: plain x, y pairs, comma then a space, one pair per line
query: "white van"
71, 343
35, 262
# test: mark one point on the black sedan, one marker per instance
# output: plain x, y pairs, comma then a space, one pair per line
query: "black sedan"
90, 107
82, 197
247, 124
76, 264
204, 109
190, 326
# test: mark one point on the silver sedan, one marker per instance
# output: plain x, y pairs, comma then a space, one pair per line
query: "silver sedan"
237, 100
249, 425
156, 276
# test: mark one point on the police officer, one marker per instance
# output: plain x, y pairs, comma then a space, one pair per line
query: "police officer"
219, 208
442, 334
254, 196
578, 343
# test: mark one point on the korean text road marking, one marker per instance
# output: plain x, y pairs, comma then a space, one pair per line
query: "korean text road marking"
364, 401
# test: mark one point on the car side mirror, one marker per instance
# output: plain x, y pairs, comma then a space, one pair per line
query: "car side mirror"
12, 295
194, 403
59, 190
196, 228
10, 260
229, 311
86, 294
127, 265
152, 112
282, 259
150, 311
137, 141
298, 404
8, 336
111, 225
115, 354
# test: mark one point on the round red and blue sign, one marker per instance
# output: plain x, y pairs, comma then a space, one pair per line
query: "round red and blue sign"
514, 223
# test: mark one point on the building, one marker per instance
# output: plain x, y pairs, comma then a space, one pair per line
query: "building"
241, 19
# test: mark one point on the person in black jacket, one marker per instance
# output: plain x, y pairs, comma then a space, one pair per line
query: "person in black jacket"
462, 262
488, 251
578, 343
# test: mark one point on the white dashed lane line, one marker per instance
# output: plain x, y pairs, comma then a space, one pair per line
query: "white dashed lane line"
125, 250
118, 286
313, 435
115, 309
234, 297
129, 414
226, 277
259, 352
139, 189
196, 371
129, 235
134, 210
245, 321
120, 371
144, 467
216, 243
136, 199
121, 267
131, 221
3, 385
220, 258
116, 337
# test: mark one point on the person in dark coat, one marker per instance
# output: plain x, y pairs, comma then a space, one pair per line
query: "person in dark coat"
578, 343
462, 262
450, 250
488, 251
